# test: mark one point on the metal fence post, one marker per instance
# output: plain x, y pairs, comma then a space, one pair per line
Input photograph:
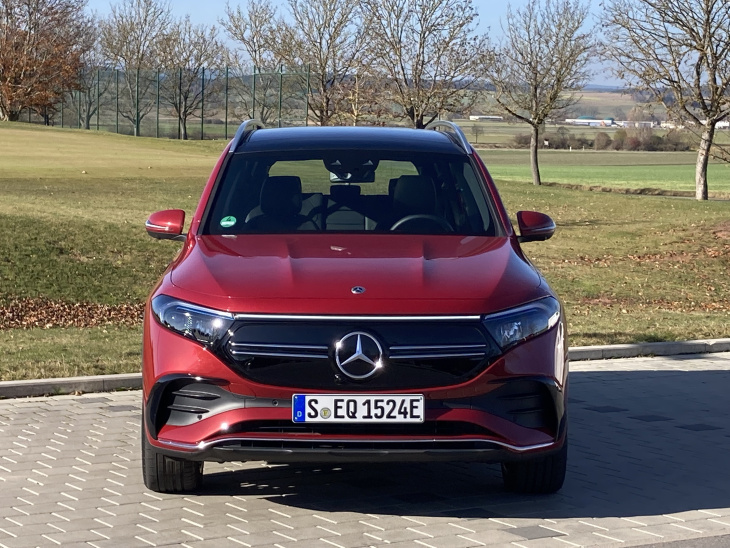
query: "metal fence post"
306, 95
136, 105
179, 103
98, 97
225, 130
281, 89
253, 94
117, 99
202, 103
157, 120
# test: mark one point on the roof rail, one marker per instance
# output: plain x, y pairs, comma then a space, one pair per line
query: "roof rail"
243, 133
454, 131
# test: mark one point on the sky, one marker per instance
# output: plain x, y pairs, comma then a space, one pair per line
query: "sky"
209, 11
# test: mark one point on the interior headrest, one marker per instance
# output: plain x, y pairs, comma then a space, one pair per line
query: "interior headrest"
414, 195
343, 193
281, 196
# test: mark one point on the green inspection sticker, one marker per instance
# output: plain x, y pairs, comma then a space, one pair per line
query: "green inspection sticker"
227, 222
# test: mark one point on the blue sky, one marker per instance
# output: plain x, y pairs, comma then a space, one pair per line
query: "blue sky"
209, 11
490, 13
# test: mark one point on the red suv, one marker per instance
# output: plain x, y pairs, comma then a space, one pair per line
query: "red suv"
353, 294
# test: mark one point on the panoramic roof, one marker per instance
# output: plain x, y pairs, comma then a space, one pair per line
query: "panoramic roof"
363, 138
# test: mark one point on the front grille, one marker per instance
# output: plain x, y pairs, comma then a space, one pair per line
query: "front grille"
416, 355
243, 350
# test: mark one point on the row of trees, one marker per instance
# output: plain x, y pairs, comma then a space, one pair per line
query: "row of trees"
370, 59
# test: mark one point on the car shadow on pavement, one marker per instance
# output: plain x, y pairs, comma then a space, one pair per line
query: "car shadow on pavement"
641, 443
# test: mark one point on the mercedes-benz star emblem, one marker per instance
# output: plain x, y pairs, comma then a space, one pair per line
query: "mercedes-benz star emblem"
359, 355
358, 290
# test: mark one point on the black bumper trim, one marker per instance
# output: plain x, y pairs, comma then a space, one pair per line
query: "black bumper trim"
475, 451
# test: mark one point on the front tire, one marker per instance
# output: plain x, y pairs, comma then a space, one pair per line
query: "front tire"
165, 474
542, 475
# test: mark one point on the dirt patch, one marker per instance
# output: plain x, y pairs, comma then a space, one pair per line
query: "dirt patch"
639, 191
722, 231
45, 313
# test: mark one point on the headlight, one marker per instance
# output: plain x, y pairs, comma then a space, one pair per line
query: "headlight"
204, 325
518, 324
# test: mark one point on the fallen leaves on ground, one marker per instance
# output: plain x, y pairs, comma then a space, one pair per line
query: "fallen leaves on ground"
46, 313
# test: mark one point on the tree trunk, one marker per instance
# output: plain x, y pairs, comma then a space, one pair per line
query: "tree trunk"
533, 155
703, 157
184, 126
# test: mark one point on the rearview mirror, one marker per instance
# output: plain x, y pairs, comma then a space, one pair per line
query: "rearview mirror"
166, 225
534, 226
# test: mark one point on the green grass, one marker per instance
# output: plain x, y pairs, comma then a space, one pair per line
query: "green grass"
633, 268
660, 170
79, 236
49, 353
629, 268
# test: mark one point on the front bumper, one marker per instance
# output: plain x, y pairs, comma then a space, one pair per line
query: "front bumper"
198, 408
199, 419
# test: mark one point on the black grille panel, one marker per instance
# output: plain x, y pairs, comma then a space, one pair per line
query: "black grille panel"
526, 402
416, 354
428, 428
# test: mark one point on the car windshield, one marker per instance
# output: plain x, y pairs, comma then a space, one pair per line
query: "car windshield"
350, 191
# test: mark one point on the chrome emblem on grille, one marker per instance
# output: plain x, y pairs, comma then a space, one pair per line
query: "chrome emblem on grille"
359, 355
358, 290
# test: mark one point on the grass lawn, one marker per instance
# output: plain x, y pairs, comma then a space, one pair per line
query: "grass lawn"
629, 268
659, 170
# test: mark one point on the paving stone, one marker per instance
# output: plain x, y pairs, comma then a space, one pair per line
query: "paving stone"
73, 463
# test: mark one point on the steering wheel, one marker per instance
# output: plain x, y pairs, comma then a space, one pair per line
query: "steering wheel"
442, 223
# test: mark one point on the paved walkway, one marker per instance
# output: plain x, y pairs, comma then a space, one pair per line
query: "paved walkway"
648, 464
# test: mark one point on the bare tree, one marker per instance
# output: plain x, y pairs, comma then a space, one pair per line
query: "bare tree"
429, 52
329, 36
94, 79
130, 38
254, 30
678, 51
362, 96
541, 63
192, 56
40, 52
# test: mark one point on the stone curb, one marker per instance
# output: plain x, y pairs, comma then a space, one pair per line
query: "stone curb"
70, 385
133, 381
672, 348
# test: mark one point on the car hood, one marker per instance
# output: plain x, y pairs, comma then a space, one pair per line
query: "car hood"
315, 274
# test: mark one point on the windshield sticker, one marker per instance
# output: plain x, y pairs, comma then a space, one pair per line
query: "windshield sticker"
227, 222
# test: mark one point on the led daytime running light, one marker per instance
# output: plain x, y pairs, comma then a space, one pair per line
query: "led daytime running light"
514, 326
205, 325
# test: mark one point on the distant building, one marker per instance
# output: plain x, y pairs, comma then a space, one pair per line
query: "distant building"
609, 122
636, 123
590, 121
480, 118
667, 124
722, 124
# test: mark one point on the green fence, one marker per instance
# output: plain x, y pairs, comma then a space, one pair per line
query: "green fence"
181, 104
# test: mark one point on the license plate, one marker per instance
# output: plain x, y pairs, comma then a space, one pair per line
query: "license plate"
357, 408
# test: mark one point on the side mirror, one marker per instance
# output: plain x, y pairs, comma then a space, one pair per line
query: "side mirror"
166, 225
534, 226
